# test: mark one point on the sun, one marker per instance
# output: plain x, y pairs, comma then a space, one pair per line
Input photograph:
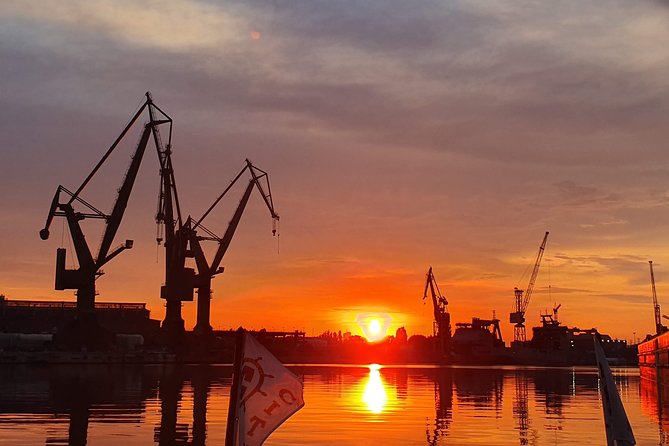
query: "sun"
374, 327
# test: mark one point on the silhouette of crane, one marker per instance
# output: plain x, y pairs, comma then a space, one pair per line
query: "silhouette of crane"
551, 319
441, 326
659, 328
83, 278
179, 280
206, 271
523, 300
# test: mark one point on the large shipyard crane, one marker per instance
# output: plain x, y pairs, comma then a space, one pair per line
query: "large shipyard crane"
83, 278
522, 299
441, 326
659, 328
179, 280
207, 271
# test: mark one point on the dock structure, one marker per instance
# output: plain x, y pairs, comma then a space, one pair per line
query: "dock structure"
46, 316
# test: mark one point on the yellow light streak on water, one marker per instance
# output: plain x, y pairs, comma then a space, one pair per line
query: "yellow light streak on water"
375, 396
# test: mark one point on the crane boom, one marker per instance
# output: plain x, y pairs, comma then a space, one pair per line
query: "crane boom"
114, 220
225, 241
535, 272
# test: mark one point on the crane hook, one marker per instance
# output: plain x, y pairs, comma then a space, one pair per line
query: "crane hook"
275, 226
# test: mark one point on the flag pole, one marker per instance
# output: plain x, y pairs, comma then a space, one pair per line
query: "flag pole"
231, 427
617, 425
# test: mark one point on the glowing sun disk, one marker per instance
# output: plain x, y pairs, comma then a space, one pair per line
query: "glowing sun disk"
374, 325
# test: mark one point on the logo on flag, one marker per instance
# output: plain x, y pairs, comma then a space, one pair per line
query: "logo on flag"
268, 394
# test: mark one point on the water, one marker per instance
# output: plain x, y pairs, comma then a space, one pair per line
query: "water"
345, 405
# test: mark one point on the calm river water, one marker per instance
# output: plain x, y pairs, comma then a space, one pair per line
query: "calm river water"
345, 405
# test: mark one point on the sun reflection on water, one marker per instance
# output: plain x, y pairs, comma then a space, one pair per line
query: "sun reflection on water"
375, 396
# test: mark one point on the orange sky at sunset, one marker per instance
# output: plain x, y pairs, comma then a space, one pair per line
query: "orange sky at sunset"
396, 137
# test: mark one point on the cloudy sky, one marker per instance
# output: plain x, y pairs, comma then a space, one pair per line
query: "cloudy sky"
397, 135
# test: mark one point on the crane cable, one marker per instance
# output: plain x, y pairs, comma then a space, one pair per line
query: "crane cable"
160, 227
275, 230
527, 268
62, 234
72, 262
69, 239
550, 295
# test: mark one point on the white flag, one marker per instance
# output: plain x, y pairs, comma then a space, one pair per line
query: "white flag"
269, 394
618, 429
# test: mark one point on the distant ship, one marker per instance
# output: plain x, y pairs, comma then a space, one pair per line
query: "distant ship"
552, 344
479, 342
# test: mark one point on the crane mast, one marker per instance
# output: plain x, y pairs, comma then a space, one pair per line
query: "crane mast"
522, 298
441, 326
206, 271
659, 328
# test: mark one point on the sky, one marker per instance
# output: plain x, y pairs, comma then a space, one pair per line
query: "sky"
397, 136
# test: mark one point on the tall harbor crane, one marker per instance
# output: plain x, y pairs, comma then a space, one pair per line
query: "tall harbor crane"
659, 328
179, 280
83, 278
441, 326
522, 299
207, 271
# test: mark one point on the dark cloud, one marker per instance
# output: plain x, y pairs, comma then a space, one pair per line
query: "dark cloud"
390, 27
431, 76
479, 78
580, 195
627, 298
614, 262
561, 290
492, 276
